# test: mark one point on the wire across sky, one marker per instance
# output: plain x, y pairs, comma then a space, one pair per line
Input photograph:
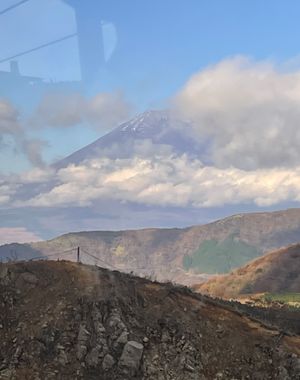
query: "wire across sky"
38, 47
8, 9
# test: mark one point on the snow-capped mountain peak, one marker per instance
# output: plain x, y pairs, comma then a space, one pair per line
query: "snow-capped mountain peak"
156, 127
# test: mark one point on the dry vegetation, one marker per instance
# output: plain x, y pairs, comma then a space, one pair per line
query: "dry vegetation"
276, 272
61, 320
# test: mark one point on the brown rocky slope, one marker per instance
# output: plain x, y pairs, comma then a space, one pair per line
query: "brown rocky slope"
276, 272
61, 320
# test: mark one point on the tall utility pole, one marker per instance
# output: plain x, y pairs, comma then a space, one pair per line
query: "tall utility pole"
90, 38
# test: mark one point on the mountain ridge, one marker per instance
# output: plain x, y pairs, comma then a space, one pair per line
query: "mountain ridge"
148, 252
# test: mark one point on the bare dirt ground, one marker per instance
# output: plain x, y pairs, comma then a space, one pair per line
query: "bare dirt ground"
62, 320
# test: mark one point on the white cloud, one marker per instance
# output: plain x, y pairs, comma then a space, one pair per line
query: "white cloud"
107, 110
36, 175
10, 125
33, 149
8, 119
167, 181
103, 111
58, 110
17, 234
249, 112
7, 191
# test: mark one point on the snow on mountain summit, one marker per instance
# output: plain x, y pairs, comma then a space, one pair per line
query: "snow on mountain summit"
147, 120
155, 128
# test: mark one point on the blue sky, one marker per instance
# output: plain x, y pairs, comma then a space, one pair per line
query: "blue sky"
165, 41
229, 66
156, 46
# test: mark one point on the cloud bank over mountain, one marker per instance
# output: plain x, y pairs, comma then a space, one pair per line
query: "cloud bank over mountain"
175, 181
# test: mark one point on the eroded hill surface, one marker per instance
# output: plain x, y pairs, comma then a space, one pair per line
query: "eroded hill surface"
276, 272
61, 320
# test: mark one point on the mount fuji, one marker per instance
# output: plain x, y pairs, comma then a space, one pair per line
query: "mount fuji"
149, 132
146, 172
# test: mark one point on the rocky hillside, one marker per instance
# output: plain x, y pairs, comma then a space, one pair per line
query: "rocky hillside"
217, 247
61, 320
276, 272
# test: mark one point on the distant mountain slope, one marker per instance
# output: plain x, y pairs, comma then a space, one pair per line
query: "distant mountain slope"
276, 272
137, 136
176, 254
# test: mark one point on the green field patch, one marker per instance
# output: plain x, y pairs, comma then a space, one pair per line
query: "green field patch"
282, 297
220, 256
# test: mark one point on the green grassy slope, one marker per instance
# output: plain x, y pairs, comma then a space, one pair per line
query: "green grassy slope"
220, 256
